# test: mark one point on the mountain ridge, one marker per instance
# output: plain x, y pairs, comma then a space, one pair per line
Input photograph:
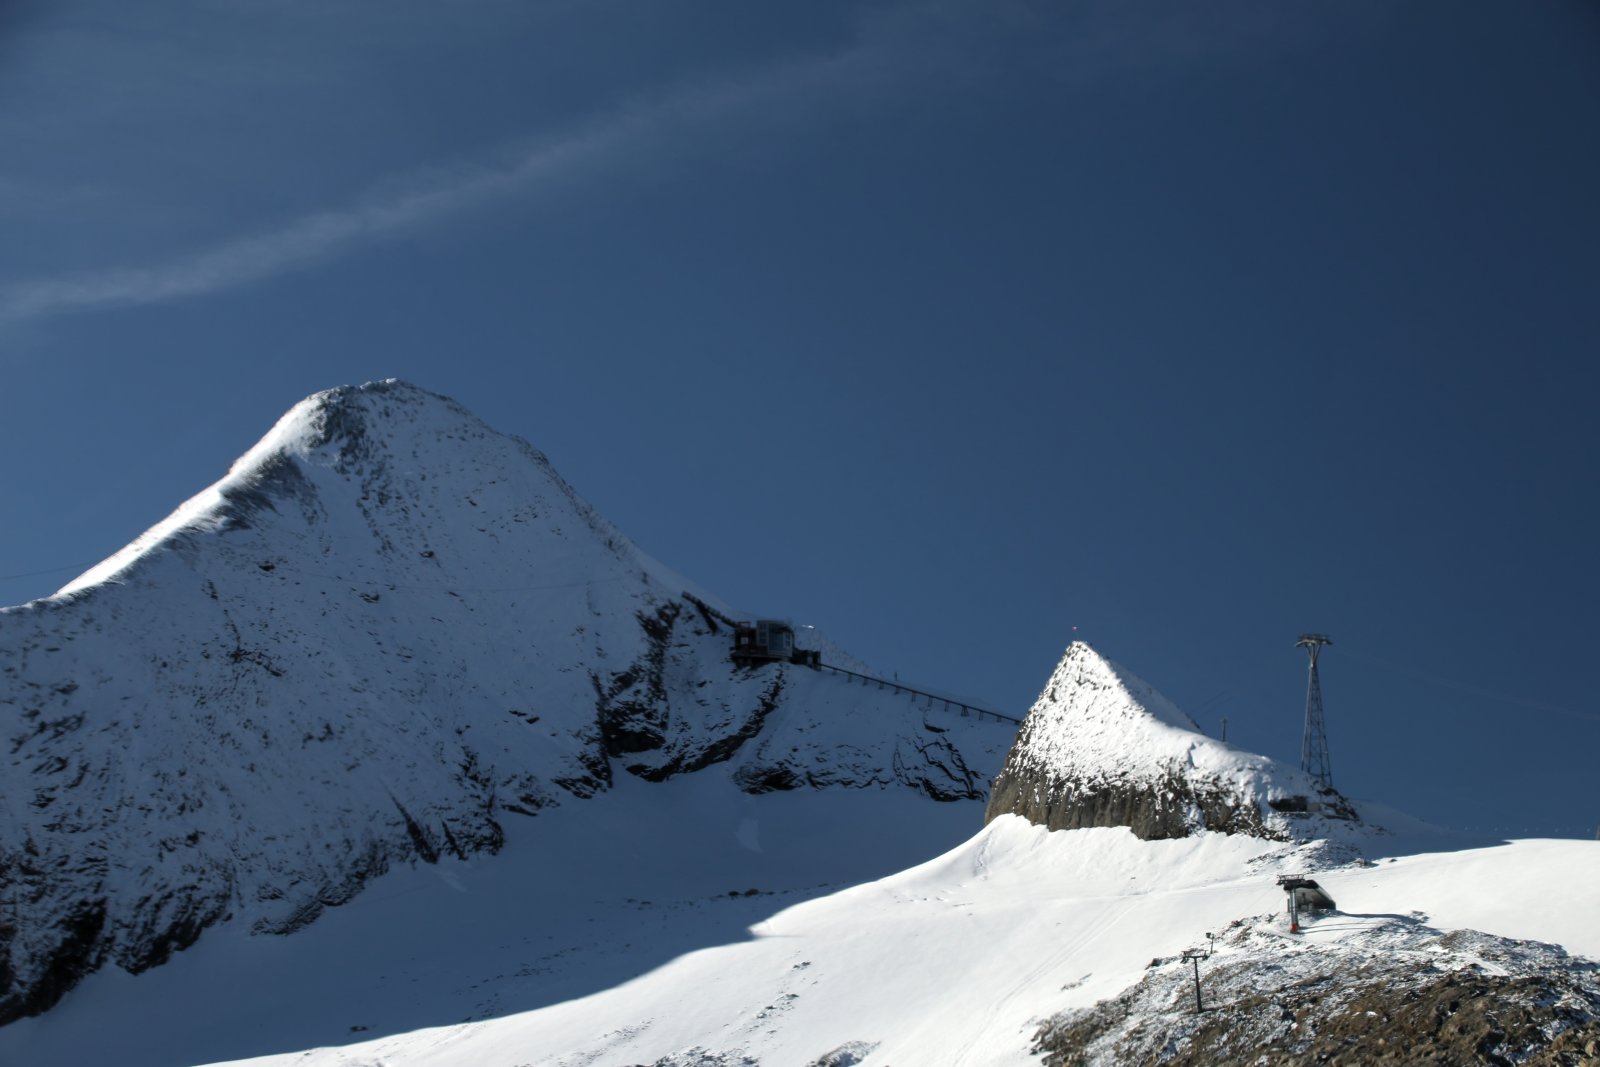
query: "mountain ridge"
334, 669
386, 629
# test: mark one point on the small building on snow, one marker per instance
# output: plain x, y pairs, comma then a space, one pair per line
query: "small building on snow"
769, 640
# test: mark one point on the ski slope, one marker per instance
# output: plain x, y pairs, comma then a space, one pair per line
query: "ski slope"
615, 941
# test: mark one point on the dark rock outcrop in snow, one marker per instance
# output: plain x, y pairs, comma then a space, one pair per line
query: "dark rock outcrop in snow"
1100, 747
1396, 992
387, 630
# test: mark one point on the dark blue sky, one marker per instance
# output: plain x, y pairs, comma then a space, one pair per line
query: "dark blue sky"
948, 327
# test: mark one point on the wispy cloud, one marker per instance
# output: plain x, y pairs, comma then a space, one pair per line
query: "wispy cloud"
954, 44
621, 136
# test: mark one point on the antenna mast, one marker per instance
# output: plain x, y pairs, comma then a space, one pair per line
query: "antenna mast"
1314, 745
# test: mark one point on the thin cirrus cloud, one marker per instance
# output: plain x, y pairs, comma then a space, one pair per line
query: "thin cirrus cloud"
619, 136
895, 51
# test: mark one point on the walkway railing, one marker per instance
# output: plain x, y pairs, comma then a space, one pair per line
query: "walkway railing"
933, 698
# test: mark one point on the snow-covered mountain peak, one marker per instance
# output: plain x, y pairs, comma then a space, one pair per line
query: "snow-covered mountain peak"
391, 428
384, 632
1097, 715
1089, 696
390, 474
1102, 747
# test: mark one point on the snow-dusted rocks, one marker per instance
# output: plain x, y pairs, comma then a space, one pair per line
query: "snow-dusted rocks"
1100, 747
1392, 990
385, 632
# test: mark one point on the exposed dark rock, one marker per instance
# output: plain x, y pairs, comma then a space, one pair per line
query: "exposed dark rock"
755, 778
940, 772
848, 1054
1166, 806
76, 949
419, 837
171, 926
633, 709
1400, 995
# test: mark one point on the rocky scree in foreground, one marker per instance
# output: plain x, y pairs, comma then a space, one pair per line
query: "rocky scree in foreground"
1395, 991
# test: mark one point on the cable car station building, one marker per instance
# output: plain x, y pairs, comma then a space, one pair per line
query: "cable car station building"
767, 641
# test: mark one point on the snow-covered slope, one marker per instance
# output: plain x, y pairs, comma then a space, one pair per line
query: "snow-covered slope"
652, 951
1100, 747
392, 642
959, 961
388, 631
696, 923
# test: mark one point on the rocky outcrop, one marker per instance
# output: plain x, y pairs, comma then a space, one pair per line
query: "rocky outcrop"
387, 630
1153, 807
1100, 747
1397, 992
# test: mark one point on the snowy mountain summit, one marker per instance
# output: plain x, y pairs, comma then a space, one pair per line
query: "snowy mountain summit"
388, 630
391, 687
1101, 747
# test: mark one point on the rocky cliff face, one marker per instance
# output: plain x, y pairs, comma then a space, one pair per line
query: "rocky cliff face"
386, 631
1100, 747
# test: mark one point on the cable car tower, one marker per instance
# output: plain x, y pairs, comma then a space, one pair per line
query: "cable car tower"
1314, 745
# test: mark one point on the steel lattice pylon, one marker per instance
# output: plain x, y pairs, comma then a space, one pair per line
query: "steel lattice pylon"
1314, 745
